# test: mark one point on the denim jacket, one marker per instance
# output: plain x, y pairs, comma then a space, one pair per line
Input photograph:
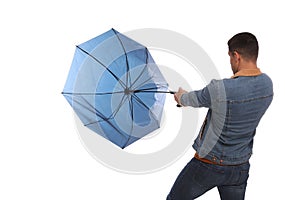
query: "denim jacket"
236, 106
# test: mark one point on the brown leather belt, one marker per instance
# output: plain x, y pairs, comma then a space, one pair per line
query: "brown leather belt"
211, 162
206, 160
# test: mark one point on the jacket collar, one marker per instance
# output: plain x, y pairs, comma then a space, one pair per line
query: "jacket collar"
247, 72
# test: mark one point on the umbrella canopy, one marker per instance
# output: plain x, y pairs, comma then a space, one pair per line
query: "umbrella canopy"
115, 88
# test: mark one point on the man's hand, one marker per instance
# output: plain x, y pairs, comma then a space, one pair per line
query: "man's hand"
177, 95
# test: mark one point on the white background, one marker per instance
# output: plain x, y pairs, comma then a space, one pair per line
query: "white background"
40, 153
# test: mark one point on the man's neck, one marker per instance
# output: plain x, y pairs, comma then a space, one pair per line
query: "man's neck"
247, 65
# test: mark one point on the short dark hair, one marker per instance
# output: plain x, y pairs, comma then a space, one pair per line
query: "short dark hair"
245, 44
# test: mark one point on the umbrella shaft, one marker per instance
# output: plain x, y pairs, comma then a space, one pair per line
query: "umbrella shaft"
153, 91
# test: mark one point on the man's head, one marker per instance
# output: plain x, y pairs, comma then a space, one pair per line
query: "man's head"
242, 48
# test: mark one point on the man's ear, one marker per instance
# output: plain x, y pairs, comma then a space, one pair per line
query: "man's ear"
236, 56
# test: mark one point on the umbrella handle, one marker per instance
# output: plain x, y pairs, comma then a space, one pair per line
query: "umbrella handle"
178, 105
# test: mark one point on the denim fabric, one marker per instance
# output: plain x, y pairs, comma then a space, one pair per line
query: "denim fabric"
236, 106
198, 177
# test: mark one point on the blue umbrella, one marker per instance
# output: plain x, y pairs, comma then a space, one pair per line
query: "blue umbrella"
115, 88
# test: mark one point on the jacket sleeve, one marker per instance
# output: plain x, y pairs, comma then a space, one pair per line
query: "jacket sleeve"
197, 98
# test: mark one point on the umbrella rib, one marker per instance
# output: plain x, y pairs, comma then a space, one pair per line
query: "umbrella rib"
89, 108
144, 69
93, 110
99, 114
131, 128
119, 107
90, 93
113, 126
144, 82
84, 51
128, 77
131, 108
143, 104
115, 112
105, 119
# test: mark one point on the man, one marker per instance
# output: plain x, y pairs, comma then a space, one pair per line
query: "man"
224, 144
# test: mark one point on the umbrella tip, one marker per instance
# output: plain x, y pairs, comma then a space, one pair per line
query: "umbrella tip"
115, 31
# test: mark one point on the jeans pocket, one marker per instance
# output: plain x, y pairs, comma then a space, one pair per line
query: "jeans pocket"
243, 177
208, 174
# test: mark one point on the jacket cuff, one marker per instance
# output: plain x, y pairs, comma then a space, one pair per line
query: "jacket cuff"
189, 99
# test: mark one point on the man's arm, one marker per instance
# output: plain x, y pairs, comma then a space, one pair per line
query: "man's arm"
199, 98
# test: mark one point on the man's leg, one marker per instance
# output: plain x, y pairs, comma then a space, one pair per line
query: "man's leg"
232, 192
235, 188
188, 184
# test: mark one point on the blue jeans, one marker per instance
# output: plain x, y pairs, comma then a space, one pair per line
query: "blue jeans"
198, 177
